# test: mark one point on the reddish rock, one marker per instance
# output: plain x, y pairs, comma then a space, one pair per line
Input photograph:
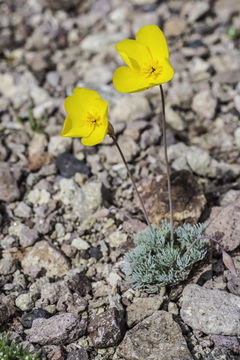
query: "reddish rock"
187, 196
107, 329
224, 225
59, 329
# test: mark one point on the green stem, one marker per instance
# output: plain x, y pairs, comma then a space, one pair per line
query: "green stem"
133, 181
167, 164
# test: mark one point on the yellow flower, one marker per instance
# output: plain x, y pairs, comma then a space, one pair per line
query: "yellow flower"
87, 116
147, 59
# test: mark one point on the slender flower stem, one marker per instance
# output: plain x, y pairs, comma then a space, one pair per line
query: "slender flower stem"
202, 238
227, 259
133, 181
167, 164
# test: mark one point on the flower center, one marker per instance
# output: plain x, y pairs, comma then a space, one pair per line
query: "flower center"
152, 70
94, 119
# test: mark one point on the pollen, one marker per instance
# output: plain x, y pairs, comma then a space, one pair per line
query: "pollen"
152, 70
94, 119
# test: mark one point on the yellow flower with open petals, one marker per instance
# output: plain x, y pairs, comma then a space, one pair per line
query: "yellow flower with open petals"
147, 58
87, 116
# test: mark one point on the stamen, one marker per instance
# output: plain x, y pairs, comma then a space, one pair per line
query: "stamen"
152, 70
94, 119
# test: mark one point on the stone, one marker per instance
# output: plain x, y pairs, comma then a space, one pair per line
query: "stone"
27, 319
80, 354
22, 210
220, 353
58, 145
227, 77
224, 225
53, 78
102, 72
129, 108
25, 302
142, 308
68, 165
211, 311
204, 104
107, 329
7, 309
37, 156
51, 292
158, 337
80, 244
116, 238
112, 154
9, 190
198, 10
38, 197
43, 255
8, 242
226, 8
59, 329
200, 162
94, 43
85, 201
174, 119
96, 253
174, 26
237, 137
8, 265
229, 197
229, 342
57, 353
150, 136
188, 199
63, 4
27, 236
72, 303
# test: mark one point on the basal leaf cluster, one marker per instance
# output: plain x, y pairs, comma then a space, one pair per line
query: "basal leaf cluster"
155, 262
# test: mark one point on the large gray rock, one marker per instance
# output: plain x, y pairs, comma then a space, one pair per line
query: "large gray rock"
85, 201
158, 337
211, 311
142, 308
59, 329
42, 255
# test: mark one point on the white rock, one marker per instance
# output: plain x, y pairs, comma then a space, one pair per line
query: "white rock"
39, 197
80, 244
211, 311
174, 119
116, 238
58, 145
237, 136
113, 278
25, 302
204, 104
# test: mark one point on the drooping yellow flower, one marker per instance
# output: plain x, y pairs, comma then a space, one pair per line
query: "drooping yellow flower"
87, 116
147, 58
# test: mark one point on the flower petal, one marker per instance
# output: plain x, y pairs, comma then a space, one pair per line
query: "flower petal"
75, 129
127, 80
166, 74
78, 105
135, 54
152, 37
98, 134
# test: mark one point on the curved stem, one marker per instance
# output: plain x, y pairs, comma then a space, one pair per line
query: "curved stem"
133, 181
167, 164
202, 238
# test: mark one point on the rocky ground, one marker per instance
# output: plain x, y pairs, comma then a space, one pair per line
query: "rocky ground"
60, 258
